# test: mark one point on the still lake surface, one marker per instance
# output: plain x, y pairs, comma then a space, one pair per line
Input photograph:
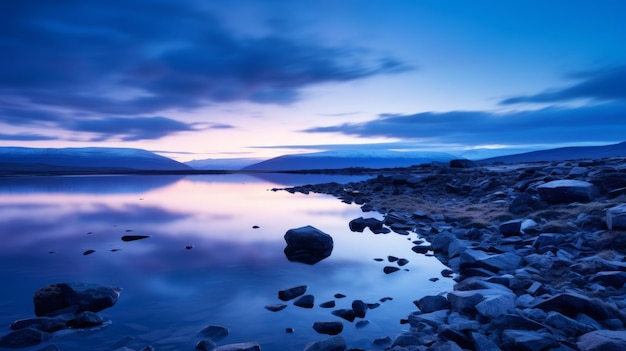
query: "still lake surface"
233, 270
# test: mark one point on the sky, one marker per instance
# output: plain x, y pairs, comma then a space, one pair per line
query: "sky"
195, 79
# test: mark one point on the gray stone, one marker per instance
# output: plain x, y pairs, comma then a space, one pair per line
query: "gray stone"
548, 239
603, 340
525, 340
482, 343
62, 298
496, 305
616, 217
307, 245
615, 279
244, 346
432, 303
330, 328
205, 345
434, 319
571, 304
360, 308
507, 261
345, 313
464, 301
335, 343
47, 324
567, 191
87, 319
566, 325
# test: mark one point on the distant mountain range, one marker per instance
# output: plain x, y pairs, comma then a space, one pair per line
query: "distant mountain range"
91, 159
231, 164
349, 158
564, 153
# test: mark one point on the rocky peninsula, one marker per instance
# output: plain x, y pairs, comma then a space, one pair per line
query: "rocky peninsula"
537, 250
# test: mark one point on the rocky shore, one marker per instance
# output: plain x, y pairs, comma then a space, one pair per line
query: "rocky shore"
537, 250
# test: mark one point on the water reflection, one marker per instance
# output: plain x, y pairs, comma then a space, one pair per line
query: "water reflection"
232, 271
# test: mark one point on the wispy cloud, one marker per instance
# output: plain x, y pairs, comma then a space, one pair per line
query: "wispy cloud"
603, 85
597, 123
129, 129
26, 137
138, 57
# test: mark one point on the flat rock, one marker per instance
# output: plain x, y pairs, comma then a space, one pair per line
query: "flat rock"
432, 303
528, 340
306, 301
602, 340
616, 217
567, 191
307, 245
275, 307
507, 261
571, 304
62, 298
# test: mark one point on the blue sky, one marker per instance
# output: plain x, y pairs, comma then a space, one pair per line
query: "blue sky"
198, 79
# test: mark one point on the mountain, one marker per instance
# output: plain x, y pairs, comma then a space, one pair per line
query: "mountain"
564, 153
84, 159
483, 153
349, 158
222, 164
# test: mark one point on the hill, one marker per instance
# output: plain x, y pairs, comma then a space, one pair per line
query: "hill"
563, 153
15, 159
348, 159
228, 164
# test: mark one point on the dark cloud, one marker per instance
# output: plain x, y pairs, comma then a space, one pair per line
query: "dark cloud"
129, 129
595, 123
26, 137
604, 85
139, 57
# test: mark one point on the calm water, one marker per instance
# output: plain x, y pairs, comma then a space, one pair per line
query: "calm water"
228, 276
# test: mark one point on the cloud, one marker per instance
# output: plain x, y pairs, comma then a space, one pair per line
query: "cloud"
603, 122
129, 129
138, 57
26, 137
603, 85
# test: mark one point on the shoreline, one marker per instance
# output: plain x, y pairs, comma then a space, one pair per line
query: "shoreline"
537, 267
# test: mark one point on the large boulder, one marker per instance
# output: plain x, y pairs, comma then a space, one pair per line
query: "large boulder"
616, 217
567, 190
307, 245
335, 343
62, 298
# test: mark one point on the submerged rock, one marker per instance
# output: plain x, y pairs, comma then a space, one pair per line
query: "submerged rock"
335, 343
307, 245
330, 328
292, 293
215, 332
62, 298
24, 338
244, 346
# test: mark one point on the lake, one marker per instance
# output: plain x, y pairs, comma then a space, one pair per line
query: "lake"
231, 271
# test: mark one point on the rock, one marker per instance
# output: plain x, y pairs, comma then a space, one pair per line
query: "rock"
88, 252
275, 307
402, 262
244, 346
602, 340
568, 326
525, 340
360, 308
517, 227
328, 304
307, 245
205, 345
330, 328
462, 163
482, 343
390, 269
514, 321
214, 332
306, 301
523, 203
361, 324
507, 261
87, 319
567, 191
548, 239
464, 301
134, 237
434, 319
335, 343
292, 293
432, 303
46, 324
616, 217
62, 298
496, 305
345, 313
571, 304
615, 279
24, 338
359, 224
384, 341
